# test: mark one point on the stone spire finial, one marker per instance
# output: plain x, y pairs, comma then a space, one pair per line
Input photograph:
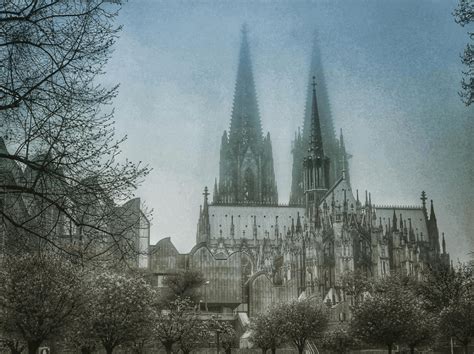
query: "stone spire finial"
215, 197
423, 200
432, 213
206, 195
443, 244
343, 155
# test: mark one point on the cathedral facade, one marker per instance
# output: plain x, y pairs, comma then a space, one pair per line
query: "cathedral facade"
255, 252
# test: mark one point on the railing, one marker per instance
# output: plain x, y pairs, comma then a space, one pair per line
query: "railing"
219, 315
311, 348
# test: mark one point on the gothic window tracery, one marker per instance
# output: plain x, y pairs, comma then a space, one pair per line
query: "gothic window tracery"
249, 185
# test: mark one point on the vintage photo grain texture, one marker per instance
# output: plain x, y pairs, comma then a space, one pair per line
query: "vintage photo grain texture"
211, 176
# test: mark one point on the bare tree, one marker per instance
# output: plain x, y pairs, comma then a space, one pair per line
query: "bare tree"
61, 176
464, 15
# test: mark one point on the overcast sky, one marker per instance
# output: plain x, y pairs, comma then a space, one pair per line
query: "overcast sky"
392, 69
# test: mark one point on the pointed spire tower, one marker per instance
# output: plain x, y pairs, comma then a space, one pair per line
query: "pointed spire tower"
344, 156
204, 228
246, 161
331, 145
245, 125
316, 164
433, 233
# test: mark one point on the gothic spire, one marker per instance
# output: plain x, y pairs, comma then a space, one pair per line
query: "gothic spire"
432, 213
204, 228
316, 141
444, 245
423, 200
328, 135
246, 172
394, 219
327, 126
245, 125
298, 224
344, 156
215, 197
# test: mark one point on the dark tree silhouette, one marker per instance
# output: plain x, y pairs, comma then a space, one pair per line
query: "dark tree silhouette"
184, 284
61, 175
464, 15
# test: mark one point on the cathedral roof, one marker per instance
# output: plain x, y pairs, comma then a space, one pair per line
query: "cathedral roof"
8, 166
415, 214
266, 218
337, 193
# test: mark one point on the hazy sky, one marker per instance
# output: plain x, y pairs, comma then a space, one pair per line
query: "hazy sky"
392, 69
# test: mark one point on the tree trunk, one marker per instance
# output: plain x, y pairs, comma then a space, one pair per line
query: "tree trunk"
301, 349
264, 351
168, 348
33, 346
274, 350
466, 350
389, 349
412, 349
109, 350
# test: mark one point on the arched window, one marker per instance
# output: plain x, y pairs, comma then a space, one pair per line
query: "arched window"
249, 185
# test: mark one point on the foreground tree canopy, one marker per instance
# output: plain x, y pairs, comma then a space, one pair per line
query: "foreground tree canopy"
66, 174
268, 331
464, 15
302, 320
393, 314
39, 297
119, 310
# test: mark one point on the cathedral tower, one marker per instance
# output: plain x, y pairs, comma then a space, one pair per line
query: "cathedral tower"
246, 158
334, 149
316, 165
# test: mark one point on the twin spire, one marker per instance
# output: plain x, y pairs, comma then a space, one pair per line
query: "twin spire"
245, 124
246, 160
316, 141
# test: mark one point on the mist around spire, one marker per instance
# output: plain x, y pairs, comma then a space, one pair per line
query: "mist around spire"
245, 124
316, 142
326, 134
246, 159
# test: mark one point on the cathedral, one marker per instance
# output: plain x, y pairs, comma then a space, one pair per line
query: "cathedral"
255, 251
